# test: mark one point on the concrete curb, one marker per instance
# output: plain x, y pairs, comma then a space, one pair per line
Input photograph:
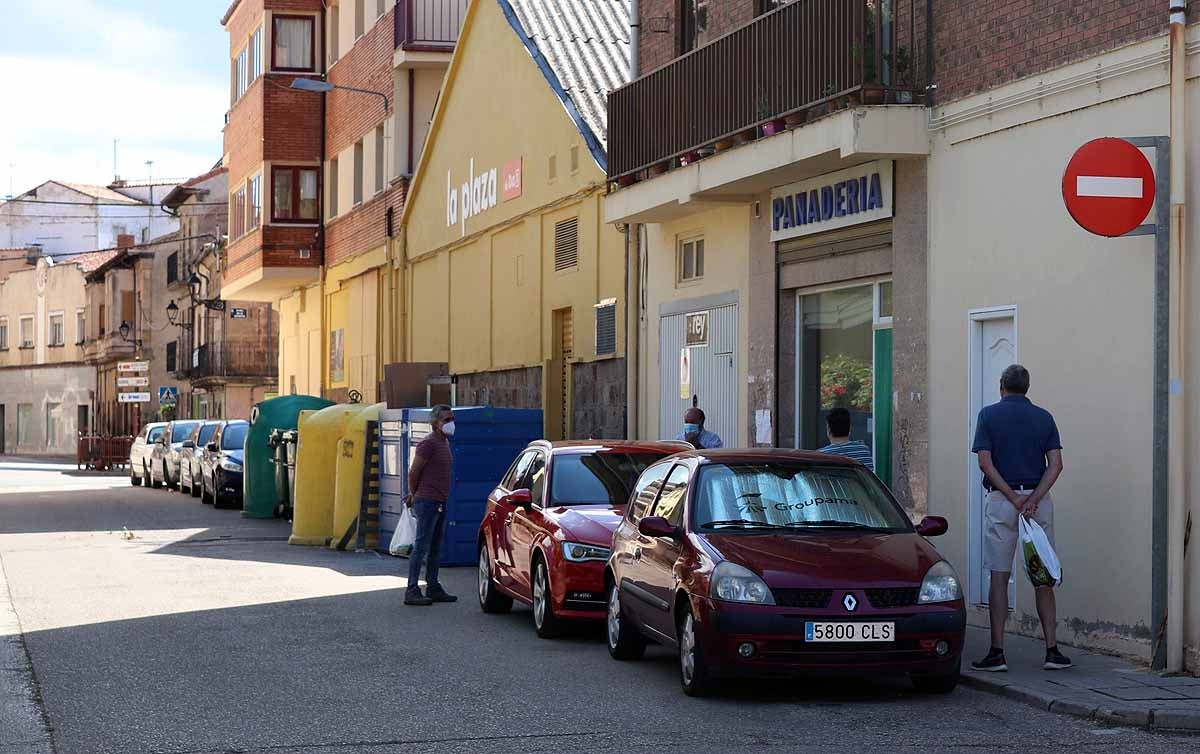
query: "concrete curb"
24, 728
1087, 706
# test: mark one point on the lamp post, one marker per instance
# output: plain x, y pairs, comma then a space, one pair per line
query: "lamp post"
124, 330
317, 85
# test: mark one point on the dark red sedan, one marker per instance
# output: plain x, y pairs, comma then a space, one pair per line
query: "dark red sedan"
546, 534
758, 563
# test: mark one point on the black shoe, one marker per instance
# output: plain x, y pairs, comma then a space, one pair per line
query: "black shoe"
439, 595
416, 598
1056, 660
993, 663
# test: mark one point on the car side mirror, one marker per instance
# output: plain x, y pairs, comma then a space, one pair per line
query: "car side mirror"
657, 526
519, 499
933, 526
189, 444
211, 447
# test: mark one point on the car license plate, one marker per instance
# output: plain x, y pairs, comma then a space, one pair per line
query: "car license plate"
837, 631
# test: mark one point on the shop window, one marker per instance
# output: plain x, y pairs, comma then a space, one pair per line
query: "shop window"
883, 311
293, 43
24, 424
836, 363
566, 244
606, 327
294, 195
58, 334
690, 264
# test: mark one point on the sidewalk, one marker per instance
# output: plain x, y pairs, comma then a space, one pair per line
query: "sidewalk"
1107, 689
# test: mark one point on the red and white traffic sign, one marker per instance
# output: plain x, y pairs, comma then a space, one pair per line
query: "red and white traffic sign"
1108, 187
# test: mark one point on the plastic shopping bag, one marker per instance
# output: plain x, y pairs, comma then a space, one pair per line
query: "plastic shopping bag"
405, 534
1041, 562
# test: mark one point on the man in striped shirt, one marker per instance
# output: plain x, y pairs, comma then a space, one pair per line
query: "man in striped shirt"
838, 426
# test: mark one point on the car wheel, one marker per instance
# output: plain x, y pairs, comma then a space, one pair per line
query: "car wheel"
693, 670
192, 488
167, 478
155, 483
624, 640
217, 498
937, 683
490, 598
204, 496
548, 624
134, 479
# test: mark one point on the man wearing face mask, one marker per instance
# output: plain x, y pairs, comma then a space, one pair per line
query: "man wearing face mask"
695, 433
429, 486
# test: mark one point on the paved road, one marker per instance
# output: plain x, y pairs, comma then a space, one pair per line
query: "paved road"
205, 633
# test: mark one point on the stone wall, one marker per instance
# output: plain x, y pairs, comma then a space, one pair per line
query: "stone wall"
599, 400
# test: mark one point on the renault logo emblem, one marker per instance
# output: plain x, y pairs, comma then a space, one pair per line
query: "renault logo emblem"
850, 603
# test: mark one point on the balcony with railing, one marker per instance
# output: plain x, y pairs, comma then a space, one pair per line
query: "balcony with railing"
235, 359
429, 25
782, 70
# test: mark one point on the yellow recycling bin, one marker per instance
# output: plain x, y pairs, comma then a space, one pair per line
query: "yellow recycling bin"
320, 433
349, 478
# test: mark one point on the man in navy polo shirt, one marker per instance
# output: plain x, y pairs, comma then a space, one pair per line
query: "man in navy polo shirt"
1021, 458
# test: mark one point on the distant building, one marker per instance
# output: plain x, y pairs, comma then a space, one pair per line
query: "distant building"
66, 218
46, 387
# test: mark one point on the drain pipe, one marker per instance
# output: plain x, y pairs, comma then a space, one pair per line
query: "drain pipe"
1178, 403
633, 258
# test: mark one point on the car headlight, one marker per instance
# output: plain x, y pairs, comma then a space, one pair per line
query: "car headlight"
733, 583
577, 552
940, 585
229, 465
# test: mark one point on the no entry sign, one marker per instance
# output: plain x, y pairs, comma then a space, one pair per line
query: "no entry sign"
1108, 187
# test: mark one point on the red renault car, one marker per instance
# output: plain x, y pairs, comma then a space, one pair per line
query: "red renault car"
548, 527
768, 562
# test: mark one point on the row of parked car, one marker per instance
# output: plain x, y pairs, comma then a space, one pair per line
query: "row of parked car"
746, 562
202, 458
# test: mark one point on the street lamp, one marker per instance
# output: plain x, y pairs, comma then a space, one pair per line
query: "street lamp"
194, 285
173, 314
124, 331
316, 85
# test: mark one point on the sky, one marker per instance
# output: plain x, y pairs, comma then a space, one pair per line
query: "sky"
79, 73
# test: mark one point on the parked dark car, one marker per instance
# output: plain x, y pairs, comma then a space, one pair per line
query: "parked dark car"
762, 563
546, 533
164, 455
221, 464
190, 454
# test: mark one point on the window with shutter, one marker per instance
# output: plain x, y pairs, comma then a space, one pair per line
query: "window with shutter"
606, 327
566, 244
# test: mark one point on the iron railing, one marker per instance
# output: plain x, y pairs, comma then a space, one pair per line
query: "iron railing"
429, 25
234, 358
782, 68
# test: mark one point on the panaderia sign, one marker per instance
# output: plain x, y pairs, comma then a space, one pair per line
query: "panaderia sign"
853, 196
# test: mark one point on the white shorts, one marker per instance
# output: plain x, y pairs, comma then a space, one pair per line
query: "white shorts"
1000, 529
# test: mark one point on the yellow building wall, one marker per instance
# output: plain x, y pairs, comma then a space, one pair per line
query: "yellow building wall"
356, 294
483, 290
300, 342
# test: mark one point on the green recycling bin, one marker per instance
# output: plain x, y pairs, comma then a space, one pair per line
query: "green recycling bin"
260, 496
283, 500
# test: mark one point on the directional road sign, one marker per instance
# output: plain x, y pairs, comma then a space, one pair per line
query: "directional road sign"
133, 382
133, 397
1108, 187
133, 366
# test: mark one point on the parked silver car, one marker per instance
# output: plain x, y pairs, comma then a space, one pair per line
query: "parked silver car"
190, 455
164, 455
139, 452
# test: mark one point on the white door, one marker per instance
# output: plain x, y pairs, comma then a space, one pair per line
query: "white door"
993, 347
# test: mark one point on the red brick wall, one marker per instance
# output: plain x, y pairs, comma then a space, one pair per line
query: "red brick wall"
983, 45
367, 65
657, 48
351, 116
291, 122
271, 246
365, 227
244, 134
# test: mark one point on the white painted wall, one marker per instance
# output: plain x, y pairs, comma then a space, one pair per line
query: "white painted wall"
80, 224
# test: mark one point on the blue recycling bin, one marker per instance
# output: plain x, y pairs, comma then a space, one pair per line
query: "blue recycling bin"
485, 443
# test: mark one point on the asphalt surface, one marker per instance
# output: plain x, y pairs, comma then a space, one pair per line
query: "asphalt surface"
157, 624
